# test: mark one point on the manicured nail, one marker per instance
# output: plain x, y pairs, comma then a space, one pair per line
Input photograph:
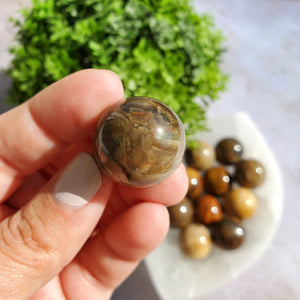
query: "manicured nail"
79, 182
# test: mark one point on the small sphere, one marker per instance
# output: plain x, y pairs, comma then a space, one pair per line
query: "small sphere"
240, 202
140, 143
195, 183
229, 151
250, 173
208, 210
216, 180
201, 157
195, 241
181, 214
228, 234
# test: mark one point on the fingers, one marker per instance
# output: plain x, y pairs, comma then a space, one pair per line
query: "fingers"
47, 124
39, 240
70, 109
130, 229
34, 182
29, 188
144, 227
108, 258
5, 211
168, 192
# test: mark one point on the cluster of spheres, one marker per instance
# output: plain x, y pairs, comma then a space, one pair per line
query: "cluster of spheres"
219, 198
142, 142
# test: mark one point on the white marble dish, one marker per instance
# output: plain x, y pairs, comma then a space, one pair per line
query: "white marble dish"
177, 277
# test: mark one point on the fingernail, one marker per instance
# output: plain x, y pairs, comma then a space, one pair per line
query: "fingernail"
79, 182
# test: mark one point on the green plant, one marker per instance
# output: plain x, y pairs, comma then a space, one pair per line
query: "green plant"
159, 48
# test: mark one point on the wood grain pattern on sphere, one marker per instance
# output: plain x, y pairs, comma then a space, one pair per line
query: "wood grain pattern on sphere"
140, 143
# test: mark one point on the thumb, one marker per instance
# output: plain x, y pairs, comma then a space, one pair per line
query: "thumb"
45, 235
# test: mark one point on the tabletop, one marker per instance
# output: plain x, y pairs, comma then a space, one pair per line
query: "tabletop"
263, 60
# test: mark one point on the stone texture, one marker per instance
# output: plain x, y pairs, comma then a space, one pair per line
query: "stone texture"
142, 142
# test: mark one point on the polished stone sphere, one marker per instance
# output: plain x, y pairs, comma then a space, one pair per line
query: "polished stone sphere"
240, 202
229, 151
208, 209
181, 214
195, 183
216, 180
202, 156
140, 143
228, 234
195, 241
250, 173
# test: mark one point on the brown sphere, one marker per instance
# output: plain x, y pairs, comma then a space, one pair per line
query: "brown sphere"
240, 202
195, 183
140, 143
250, 173
181, 214
208, 209
229, 151
201, 157
216, 181
228, 234
195, 240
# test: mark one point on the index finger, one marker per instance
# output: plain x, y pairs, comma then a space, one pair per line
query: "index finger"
34, 133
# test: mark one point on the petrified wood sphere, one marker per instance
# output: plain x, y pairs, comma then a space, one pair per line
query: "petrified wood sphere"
140, 143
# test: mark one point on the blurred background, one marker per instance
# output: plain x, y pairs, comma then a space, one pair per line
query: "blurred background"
263, 60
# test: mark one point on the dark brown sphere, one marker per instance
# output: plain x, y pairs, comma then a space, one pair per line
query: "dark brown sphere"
181, 214
195, 183
195, 241
228, 234
229, 151
208, 209
250, 173
240, 202
216, 181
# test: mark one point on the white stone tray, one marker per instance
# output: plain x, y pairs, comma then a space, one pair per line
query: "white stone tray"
176, 277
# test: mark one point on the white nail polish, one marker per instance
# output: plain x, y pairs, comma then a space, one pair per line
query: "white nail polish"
79, 182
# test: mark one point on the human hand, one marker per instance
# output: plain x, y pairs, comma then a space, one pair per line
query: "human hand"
70, 232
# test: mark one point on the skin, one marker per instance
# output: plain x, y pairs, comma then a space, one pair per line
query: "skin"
48, 251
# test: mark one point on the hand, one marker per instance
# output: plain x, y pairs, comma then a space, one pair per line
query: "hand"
66, 231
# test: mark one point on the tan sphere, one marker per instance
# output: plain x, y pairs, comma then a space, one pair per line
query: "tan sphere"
202, 156
195, 240
240, 202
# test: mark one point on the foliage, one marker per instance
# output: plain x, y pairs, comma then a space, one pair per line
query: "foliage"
159, 48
